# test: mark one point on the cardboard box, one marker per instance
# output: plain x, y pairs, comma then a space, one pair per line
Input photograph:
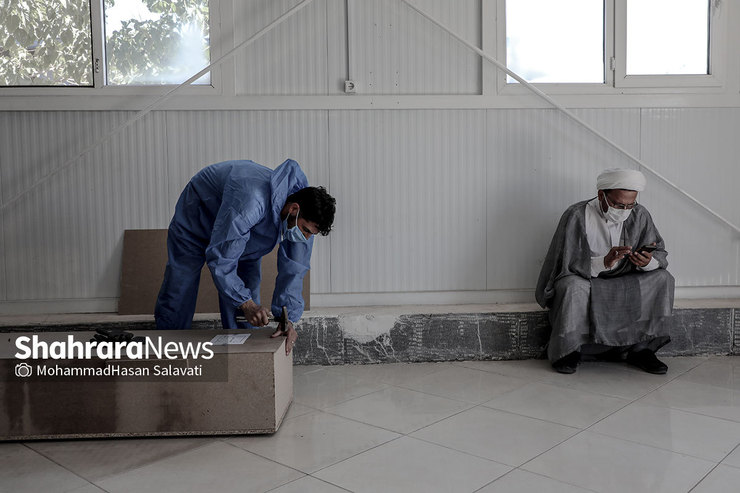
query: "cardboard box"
243, 389
142, 271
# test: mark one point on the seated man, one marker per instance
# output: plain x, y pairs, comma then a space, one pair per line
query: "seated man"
604, 279
229, 216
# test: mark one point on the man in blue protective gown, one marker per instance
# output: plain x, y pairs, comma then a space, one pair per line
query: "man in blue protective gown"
229, 216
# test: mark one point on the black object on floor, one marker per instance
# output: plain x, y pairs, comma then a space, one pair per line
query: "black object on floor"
567, 364
647, 361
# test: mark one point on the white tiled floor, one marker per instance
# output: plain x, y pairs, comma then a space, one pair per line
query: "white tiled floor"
489, 427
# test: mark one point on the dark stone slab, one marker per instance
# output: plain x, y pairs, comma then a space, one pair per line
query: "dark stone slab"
396, 346
455, 336
700, 331
534, 333
320, 342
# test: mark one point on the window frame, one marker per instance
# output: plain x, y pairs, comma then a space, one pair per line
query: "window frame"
615, 47
716, 55
98, 62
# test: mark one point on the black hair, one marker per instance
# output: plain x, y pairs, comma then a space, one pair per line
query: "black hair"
316, 206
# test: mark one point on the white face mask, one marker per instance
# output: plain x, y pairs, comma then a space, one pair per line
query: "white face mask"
616, 215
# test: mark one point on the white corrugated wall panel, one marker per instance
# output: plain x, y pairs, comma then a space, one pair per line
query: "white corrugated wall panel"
411, 200
394, 50
291, 59
198, 138
538, 163
63, 239
3, 248
698, 150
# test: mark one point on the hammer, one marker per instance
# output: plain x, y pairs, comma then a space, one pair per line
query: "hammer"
282, 319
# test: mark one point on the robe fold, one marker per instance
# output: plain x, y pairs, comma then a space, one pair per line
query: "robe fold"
621, 307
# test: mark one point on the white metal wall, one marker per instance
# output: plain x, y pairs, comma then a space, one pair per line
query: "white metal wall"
394, 51
411, 200
429, 200
452, 204
292, 59
63, 240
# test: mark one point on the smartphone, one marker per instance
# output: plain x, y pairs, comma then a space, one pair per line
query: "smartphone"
647, 249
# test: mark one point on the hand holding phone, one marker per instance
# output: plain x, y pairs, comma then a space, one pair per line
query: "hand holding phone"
643, 255
647, 248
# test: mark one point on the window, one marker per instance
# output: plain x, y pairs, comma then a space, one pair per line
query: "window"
558, 41
667, 37
45, 43
627, 43
140, 42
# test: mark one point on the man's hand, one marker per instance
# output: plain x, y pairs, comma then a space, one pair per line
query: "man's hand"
289, 333
255, 314
641, 259
616, 254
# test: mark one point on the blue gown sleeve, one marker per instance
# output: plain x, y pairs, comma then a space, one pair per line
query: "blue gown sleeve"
229, 238
293, 261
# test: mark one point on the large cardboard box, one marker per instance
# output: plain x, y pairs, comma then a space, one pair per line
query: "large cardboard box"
243, 389
142, 271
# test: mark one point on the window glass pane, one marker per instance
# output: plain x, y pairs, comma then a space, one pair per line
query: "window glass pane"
555, 41
156, 41
667, 37
45, 43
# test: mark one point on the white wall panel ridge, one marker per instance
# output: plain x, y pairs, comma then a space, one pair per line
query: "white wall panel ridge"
290, 60
393, 50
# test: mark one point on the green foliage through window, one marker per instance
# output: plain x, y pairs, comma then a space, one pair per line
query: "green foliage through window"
156, 41
46, 43
49, 43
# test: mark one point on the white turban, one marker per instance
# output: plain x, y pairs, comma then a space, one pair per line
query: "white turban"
624, 178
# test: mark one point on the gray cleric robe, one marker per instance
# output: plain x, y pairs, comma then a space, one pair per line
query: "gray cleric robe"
620, 308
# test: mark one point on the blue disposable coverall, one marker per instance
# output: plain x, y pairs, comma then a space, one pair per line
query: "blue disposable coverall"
228, 216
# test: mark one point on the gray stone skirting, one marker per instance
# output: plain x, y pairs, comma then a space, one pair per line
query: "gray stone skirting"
383, 338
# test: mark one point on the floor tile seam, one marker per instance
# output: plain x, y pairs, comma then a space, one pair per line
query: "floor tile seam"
537, 474
50, 459
468, 407
313, 473
713, 461
211, 441
309, 476
333, 484
303, 403
351, 399
91, 484
476, 402
337, 370
688, 411
439, 395
562, 387
703, 478
570, 438
401, 387
720, 387
469, 454
453, 363
629, 403
461, 365
543, 420
671, 379
270, 460
523, 466
683, 410
603, 394
497, 479
548, 421
355, 420
471, 407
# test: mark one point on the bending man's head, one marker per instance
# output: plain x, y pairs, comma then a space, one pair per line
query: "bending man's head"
315, 206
